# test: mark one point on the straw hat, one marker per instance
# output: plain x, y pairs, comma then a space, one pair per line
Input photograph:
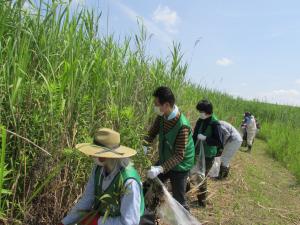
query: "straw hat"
106, 145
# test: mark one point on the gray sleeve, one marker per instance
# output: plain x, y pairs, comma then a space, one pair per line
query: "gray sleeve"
85, 202
130, 206
236, 135
226, 135
226, 131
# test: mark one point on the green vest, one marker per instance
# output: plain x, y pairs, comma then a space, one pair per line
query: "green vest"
209, 151
108, 202
167, 145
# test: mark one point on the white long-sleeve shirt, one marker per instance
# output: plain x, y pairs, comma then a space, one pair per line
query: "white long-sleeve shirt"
251, 125
130, 202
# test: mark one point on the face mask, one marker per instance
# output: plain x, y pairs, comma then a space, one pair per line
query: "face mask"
157, 111
97, 162
203, 116
173, 113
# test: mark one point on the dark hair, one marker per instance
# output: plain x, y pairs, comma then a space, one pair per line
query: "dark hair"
205, 106
164, 95
247, 114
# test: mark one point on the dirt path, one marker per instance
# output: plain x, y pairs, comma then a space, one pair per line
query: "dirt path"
259, 190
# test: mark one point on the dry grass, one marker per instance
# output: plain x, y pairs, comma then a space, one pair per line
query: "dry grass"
258, 191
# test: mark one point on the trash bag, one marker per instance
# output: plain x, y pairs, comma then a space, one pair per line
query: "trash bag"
215, 169
172, 212
243, 133
162, 208
197, 173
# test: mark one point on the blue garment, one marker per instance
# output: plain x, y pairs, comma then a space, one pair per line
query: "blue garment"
130, 202
247, 120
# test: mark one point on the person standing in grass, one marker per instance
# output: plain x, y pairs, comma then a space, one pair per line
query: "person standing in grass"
176, 147
207, 131
250, 129
113, 194
232, 141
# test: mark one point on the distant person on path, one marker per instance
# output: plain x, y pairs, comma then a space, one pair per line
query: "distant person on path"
232, 141
113, 194
207, 131
176, 146
249, 129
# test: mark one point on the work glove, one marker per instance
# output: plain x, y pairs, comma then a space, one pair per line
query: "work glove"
154, 171
145, 149
201, 137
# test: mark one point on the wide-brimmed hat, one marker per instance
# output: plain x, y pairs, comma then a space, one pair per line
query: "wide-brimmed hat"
106, 144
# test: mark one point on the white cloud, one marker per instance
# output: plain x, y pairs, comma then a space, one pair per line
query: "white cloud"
281, 96
244, 84
298, 81
169, 18
224, 62
290, 93
152, 27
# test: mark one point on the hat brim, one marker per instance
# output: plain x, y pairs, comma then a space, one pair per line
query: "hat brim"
98, 151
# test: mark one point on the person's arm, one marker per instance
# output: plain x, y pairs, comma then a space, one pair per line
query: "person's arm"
216, 138
226, 134
130, 206
154, 130
179, 151
85, 203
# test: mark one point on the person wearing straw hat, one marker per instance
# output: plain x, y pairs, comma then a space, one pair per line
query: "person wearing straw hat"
113, 194
207, 131
176, 147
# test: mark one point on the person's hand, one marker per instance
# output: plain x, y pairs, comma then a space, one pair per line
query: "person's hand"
201, 137
145, 149
154, 171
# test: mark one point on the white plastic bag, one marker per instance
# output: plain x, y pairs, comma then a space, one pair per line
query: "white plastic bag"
172, 213
215, 169
197, 173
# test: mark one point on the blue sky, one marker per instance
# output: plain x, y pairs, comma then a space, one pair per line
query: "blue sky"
246, 48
